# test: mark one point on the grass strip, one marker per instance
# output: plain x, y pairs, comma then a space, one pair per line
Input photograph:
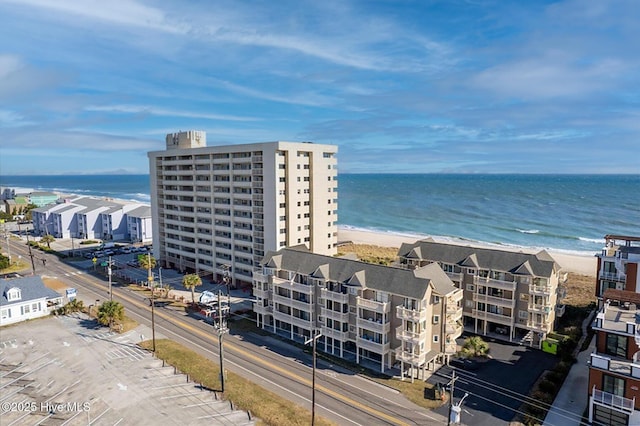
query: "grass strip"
270, 408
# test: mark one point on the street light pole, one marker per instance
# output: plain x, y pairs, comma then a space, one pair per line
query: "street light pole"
222, 329
109, 273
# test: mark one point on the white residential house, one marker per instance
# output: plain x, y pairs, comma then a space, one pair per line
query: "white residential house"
26, 298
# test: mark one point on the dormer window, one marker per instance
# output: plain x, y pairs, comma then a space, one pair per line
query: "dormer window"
13, 294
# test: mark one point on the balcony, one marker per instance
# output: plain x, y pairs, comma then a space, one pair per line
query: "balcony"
374, 306
292, 285
454, 315
410, 358
305, 324
615, 402
454, 276
411, 336
455, 298
411, 314
540, 290
264, 294
335, 334
259, 276
491, 282
259, 309
334, 296
497, 318
541, 326
612, 276
286, 301
562, 292
370, 345
453, 329
334, 315
450, 348
560, 309
541, 309
498, 301
378, 327
619, 366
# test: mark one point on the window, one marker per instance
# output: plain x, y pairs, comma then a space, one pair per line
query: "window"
524, 297
436, 319
614, 385
25, 309
471, 271
616, 345
468, 303
471, 287
523, 315
436, 300
5, 313
436, 338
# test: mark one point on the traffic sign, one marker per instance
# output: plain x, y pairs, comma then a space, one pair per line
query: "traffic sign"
94, 260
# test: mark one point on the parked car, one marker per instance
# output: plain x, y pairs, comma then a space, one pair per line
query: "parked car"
464, 364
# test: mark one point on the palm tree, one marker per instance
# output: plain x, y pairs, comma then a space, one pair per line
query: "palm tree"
190, 282
110, 312
48, 239
148, 262
475, 347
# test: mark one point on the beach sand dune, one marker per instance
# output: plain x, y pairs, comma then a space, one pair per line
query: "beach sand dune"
583, 265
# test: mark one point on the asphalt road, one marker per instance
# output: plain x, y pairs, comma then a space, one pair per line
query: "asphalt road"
342, 396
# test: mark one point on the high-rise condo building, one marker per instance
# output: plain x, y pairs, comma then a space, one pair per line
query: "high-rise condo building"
220, 208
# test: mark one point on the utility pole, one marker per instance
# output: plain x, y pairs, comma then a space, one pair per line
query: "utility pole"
153, 296
33, 265
451, 384
221, 326
109, 273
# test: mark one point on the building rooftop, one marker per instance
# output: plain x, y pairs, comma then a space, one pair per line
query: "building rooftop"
403, 282
31, 288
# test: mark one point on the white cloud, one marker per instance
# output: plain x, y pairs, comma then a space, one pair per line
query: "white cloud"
145, 109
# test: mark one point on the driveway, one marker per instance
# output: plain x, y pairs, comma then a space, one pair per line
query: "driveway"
497, 387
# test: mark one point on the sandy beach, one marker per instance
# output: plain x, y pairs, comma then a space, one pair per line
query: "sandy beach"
584, 265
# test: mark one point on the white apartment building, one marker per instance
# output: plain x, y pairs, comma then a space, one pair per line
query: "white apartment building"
223, 207
369, 314
513, 295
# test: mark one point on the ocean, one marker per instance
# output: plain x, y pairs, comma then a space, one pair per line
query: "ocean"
569, 213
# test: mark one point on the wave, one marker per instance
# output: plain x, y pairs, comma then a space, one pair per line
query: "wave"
592, 240
528, 231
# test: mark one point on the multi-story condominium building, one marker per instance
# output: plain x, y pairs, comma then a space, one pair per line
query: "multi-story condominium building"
614, 368
139, 224
221, 208
618, 265
510, 294
370, 314
87, 217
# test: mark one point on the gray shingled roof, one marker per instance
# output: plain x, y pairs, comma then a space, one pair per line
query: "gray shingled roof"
142, 211
540, 264
403, 282
31, 288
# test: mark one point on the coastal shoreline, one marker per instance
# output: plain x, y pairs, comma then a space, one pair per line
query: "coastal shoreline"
579, 264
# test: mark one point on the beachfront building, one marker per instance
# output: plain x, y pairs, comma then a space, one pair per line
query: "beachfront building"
370, 314
618, 265
139, 225
220, 208
85, 218
614, 367
508, 295
26, 298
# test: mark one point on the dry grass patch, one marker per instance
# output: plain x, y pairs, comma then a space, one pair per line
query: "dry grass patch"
580, 290
414, 392
370, 253
128, 324
270, 408
54, 284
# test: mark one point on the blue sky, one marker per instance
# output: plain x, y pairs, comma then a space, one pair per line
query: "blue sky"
90, 86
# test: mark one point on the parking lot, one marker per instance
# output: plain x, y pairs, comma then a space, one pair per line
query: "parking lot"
67, 370
497, 387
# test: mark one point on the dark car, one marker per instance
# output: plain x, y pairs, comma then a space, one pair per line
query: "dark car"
464, 364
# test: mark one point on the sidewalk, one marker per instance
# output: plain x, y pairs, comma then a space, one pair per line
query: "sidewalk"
573, 398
